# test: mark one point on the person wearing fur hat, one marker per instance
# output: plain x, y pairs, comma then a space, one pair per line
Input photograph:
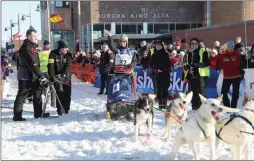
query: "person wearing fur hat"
196, 66
105, 66
160, 63
60, 61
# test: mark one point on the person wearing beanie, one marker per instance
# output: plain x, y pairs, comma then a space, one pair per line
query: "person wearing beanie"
196, 70
59, 64
160, 63
229, 62
105, 66
43, 56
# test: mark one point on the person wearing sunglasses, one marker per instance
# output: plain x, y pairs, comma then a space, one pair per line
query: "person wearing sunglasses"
229, 62
196, 70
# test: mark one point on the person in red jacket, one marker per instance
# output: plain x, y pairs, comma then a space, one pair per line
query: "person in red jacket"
173, 58
214, 59
229, 62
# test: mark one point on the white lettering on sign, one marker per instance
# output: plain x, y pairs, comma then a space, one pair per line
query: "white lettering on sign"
132, 16
176, 84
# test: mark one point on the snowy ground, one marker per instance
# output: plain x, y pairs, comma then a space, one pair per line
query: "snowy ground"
84, 133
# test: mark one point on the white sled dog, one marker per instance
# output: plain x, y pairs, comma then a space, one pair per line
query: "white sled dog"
177, 113
200, 127
237, 130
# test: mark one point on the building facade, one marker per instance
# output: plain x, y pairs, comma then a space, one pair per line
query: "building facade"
140, 20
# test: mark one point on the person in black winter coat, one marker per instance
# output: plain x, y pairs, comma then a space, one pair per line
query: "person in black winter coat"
192, 64
161, 64
250, 57
145, 59
30, 77
105, 66
60, 61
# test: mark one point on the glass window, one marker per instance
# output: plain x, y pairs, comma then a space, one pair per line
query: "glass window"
161, 28
193, 25
182, 26
150, 28
129, 29
98, 30
118, 28
200, 25
140, 28
108, 26
65, 35
59, 3
172, 27
65, 4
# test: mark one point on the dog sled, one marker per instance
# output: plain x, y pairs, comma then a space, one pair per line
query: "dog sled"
121, 96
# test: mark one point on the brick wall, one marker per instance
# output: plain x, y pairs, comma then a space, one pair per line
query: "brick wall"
231, 11
221, 33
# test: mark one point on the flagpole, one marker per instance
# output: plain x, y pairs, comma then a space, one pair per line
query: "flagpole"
11, 36
19, 30
71, 29
48, 15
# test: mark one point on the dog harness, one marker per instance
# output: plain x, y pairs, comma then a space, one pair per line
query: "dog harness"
203, 131
232, 117
169, 108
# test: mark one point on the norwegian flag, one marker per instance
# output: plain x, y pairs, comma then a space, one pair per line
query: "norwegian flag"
16, 36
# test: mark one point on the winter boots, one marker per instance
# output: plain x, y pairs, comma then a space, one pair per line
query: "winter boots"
18, 117
162, 103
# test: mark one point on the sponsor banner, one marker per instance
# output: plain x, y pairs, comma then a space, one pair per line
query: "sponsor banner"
213, 85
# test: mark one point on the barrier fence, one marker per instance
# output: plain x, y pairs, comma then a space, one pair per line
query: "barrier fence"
88, 73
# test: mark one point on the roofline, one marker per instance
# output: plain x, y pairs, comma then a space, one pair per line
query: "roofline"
216, 26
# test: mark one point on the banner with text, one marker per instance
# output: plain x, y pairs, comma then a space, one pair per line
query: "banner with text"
213, 85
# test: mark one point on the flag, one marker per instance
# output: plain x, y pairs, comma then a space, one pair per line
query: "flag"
55, 18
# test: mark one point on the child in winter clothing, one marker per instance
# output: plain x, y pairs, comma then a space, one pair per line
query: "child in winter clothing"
174, 58
5, 66
214, 59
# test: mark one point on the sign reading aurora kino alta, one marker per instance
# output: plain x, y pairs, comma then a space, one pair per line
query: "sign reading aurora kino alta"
132, 16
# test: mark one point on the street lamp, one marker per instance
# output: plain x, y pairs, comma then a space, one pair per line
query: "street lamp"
6, 29
30, 16
46, 16
38, 9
